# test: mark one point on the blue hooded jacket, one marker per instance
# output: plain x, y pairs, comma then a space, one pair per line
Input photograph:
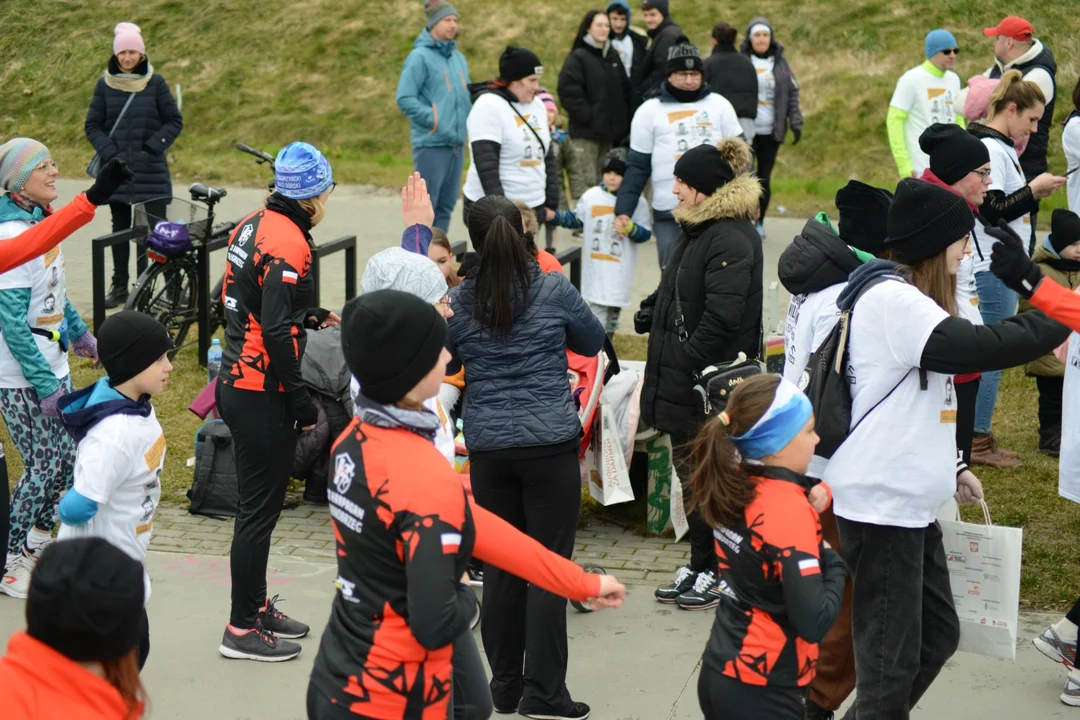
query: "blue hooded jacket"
433, 92
83, 409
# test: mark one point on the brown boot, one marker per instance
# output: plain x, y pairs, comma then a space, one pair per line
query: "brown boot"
1011, 454
984, 453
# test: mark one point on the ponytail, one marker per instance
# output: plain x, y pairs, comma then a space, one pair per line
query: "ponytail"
315, 207
720, 487
503, 278
1013, 88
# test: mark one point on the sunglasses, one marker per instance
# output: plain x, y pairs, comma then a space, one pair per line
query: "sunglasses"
952, 51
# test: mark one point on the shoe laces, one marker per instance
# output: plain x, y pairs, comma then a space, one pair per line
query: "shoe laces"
272, 611
704, 581
265, 634
681, 575
24, 561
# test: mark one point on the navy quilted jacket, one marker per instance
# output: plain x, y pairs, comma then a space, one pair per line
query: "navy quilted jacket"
518, 391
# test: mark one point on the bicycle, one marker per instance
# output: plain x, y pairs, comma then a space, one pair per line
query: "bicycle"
168, 289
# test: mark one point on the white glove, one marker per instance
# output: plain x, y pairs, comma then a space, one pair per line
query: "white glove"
969, 490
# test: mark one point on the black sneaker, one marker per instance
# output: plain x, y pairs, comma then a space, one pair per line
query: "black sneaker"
577, 711
705, 593
256, 644
684, 581
281, 624
118, 295
506, 710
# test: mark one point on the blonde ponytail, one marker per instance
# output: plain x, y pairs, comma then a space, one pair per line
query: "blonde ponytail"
1013, 88
315, 207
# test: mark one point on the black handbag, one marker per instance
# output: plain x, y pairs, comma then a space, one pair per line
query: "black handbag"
716, 382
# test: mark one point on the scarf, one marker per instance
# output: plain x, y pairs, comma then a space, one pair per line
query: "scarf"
31, 208
128, 82
422, 422
683, 96
591, 42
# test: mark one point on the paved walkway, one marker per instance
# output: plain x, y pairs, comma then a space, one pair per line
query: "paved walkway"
304, 532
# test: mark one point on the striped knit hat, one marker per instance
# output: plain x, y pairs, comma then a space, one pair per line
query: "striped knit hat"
18, 158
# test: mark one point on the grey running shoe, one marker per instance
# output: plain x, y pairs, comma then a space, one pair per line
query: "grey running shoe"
1071, 694
1056, 647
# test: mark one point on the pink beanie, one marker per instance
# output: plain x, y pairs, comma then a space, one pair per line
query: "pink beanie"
127, 36
976, 105
546, 98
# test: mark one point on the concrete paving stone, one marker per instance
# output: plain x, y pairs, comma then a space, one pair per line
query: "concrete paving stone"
294, 542
677, 546
617, 552
317, 519
624, 575
304, 511
601, 541
298, 534
325, 553
670, 554
161, 542
289, 524
587, 554
586, 533
209, 547
650, 565
166, 532
282, 549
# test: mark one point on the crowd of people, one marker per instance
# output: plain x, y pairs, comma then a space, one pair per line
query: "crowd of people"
828, 573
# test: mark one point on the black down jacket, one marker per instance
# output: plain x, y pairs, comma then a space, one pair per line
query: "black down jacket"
731, 74
716, 268
149, 127
653, 69
816, 259
518, 391
595, 93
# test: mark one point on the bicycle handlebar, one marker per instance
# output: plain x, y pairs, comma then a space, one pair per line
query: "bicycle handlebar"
263, 157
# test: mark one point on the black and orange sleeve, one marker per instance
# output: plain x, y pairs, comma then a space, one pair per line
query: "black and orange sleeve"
1059, 303
504, 546
42, 237
280, 275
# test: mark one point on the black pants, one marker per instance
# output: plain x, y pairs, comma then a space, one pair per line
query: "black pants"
1050, 392
472, 695
264, 445
144, 640
903, 619
122, 219
966, 395
702, 549
524, 627
725, 698
766, 149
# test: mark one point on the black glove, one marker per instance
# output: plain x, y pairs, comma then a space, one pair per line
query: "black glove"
315, 317
1010, 262
303, 408
112, 176
797, 132
643, 320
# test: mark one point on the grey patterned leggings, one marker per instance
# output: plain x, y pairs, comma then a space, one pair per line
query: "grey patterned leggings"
48, 453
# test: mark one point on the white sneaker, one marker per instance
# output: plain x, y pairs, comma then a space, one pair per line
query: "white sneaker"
35, 554
16, 582
1071, 694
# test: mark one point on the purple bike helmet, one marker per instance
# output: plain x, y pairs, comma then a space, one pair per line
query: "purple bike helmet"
169, 238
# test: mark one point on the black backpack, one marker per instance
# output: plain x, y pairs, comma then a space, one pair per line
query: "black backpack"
214, 492
825, 381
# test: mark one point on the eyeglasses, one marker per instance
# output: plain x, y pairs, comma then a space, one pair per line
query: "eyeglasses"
332, 186
687, 74
444, 302
47, 165
951, 51
984, 174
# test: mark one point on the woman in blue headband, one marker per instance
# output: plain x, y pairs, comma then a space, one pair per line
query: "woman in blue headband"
781, 584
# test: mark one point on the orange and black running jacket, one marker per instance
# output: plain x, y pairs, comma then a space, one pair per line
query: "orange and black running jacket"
267, 291
405, 532
781, 588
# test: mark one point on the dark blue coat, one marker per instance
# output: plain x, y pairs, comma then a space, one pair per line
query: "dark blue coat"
149, 127
518, 391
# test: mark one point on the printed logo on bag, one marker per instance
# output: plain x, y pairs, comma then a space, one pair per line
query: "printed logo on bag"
973, 546
245, 233
344, 470
974, 590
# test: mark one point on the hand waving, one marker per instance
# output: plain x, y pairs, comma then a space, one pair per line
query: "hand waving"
416, 207
1010, 262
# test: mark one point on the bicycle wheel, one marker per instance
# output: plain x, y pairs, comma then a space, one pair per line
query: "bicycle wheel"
166, 292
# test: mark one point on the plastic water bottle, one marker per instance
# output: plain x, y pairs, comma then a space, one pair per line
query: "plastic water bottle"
213, 360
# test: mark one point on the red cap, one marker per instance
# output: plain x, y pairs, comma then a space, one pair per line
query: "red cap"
1013, 27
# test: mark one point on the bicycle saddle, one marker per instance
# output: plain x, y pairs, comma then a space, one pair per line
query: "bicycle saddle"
201, 192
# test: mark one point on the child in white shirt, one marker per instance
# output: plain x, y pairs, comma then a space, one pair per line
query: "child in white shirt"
121, 447
609, 256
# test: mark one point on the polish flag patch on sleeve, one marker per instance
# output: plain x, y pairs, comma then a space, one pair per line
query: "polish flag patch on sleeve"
809, 566
289, 276
450, 543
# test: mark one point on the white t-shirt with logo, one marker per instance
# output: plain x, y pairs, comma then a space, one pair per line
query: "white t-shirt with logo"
967, 293
521, 156
766, 82
45, 278
1007, 177
810, 319
666, 130
1069, 463
1070, 143
118, 465
607, 268
926, 99
625, 48
899, 465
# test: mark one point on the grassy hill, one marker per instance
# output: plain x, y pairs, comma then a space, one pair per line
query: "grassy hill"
326, 70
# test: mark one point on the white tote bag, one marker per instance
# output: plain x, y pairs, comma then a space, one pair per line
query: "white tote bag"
984, 570
605, 462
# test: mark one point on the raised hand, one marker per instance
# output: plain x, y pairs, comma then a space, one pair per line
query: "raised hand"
416, 207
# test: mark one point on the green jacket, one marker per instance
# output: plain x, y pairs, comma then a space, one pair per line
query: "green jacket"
1065, 273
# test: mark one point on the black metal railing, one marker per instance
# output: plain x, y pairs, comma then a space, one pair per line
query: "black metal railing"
97, 265
346, 244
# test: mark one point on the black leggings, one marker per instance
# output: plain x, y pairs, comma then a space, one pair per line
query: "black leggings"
766, 149
264, 445
524, 627
725, 698
702, 548
122, 218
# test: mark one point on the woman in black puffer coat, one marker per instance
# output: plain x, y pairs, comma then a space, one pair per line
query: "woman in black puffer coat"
716, 269
595, 92
144, 134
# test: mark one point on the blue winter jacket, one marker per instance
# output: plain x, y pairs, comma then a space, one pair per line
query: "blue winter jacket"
518, 392
434, 92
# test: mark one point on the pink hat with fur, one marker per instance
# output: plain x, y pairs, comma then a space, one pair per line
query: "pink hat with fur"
127, 36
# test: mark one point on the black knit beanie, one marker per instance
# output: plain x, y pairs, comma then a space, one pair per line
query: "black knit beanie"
661, 5
704, 169
391, 340
863, 210
953, 151
86, 599
1064, 229
924, 219
129, 342
615, 161
518, 63
683, 56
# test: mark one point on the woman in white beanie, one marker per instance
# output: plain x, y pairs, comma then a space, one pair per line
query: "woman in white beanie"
133, 116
